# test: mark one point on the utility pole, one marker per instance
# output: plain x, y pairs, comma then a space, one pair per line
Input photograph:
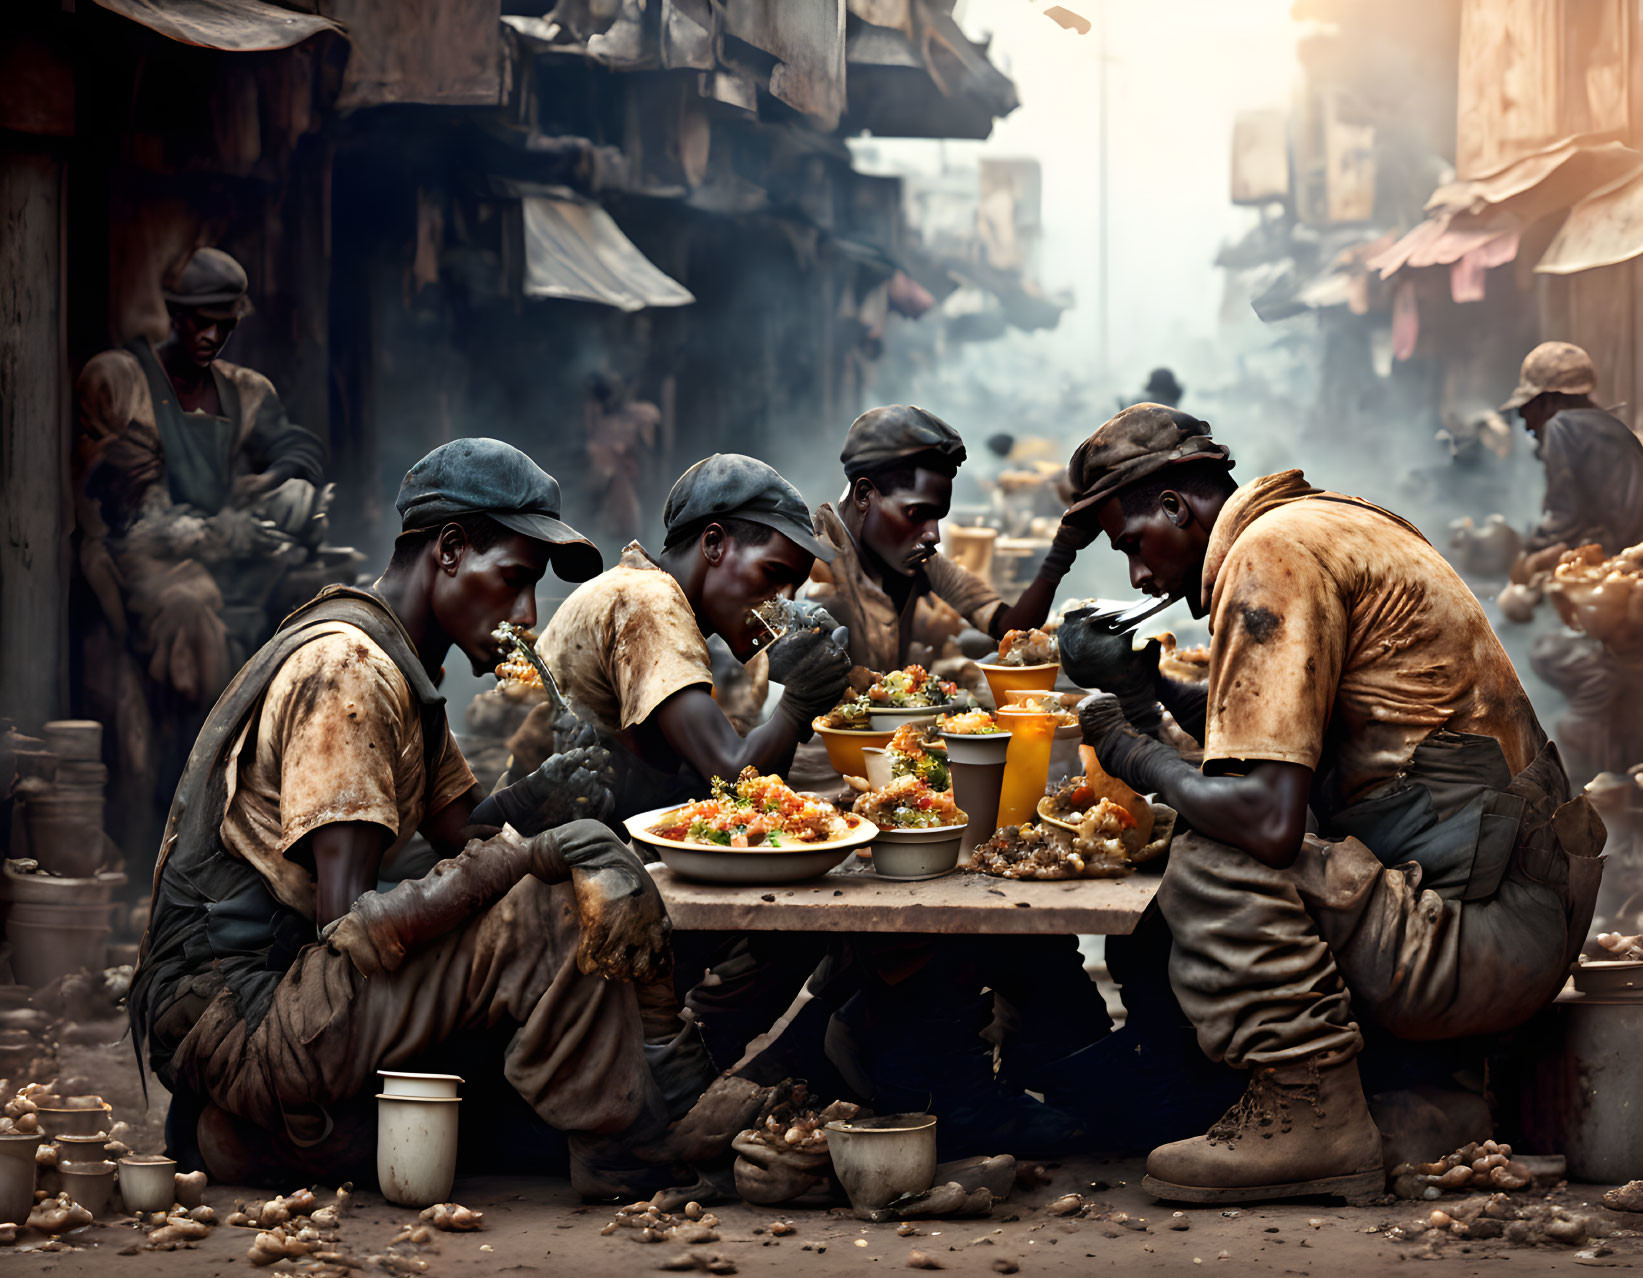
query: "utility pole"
1101, 163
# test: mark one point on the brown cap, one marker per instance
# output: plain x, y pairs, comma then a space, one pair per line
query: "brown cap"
208, 281
896, 431
1560, 368
1140, 441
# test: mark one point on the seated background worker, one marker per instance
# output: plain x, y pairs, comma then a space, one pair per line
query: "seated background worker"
1452, 878
274, 982
629, 651
899, 462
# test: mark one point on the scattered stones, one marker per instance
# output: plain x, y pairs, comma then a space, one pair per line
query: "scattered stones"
707, 1262
1004, 1265
920, 1260
1066, 1205
1628, 1197
1474, 1166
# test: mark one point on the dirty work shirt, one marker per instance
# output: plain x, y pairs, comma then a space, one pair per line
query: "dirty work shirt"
624, 643
338, 738
879, 634
1340, 640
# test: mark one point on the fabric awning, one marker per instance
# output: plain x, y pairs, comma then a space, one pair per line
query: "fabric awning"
1483, 219
234, 26
1604, 229
575, 251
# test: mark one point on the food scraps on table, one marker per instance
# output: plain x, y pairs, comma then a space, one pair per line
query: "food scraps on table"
1050, 703
1184, 665
757, 812
1027, 648
970, 723
1036, 851
908, 803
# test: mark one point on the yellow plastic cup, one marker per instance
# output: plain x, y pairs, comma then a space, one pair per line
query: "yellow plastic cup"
1027, 763
1004, 680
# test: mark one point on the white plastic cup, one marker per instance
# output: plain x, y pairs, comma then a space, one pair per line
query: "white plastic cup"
416, 1148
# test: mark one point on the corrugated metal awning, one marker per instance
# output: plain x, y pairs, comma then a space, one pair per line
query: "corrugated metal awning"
576, 252
235, 26
1604, 229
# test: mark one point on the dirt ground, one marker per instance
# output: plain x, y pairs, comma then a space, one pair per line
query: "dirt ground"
535, 1225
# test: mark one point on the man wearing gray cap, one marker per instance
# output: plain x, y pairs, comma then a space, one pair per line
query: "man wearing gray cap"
629, 648
1594, 463
274, 981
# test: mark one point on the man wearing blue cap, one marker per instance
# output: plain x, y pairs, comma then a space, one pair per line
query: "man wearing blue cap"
274, 981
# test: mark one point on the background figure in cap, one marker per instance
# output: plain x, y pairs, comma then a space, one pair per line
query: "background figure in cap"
337, 737
1162, 388
899, 463
1355, 689
1594, 463
196, 499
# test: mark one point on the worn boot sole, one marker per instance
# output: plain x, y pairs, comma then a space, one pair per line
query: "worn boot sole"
1359, 1190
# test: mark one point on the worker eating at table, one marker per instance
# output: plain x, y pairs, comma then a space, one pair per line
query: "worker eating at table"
1452, 875
629, 650
274, 981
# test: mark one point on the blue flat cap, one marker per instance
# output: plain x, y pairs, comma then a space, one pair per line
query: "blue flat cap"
735, 486
482, 476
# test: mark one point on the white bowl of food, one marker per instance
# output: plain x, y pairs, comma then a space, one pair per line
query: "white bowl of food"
914, 854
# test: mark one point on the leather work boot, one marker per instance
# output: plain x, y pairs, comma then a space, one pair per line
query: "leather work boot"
1299, 1130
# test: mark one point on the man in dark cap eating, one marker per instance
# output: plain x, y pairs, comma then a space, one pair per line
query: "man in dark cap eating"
1452, 875
899, 462
274, 981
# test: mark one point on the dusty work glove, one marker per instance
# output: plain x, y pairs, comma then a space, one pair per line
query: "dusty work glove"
567, 786
625, 926
179, 628
1137, 760
1077, 530
1094, 657
809, 623
815, 681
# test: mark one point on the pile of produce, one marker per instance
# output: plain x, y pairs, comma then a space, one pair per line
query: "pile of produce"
1602, 596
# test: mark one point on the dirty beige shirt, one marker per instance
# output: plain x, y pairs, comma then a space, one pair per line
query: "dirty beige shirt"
625, 642
338, 738
879, 635
1340, 639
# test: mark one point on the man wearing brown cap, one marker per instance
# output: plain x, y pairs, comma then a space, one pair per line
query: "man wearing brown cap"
1594, 464
1452, 876
899, 462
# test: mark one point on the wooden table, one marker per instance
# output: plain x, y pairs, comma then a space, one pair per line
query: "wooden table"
854, 899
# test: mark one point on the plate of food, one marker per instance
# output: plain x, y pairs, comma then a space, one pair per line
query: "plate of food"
756, 831
901, 695
918, 828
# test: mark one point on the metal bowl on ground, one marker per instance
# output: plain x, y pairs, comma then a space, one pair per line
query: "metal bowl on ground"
879, 1159
913, 854
748, 865
844, 747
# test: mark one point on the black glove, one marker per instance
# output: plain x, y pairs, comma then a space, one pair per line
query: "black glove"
810, 623
625, 925
570, 785
1094, 657
815, 682
1143, 764
1078, 529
